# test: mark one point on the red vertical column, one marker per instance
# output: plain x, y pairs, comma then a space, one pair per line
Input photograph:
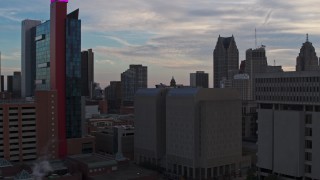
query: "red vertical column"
58, 14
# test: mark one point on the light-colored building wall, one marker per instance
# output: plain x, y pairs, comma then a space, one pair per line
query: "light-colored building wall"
265, 138
150, 124
288, 142
203, 137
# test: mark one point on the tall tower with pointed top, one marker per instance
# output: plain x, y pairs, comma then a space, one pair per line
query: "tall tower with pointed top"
307, 59
225, 60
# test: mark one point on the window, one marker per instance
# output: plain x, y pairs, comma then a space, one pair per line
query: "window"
307, 168
308, 156
308, 119
308, 144
308, 132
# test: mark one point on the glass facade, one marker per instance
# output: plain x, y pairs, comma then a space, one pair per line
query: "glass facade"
42, 39
73, 78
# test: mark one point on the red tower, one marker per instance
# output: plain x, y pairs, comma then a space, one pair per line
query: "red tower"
58, 15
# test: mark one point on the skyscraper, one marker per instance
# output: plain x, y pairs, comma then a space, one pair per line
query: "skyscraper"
28, 56
73, 75
136, 77
199, 79
87, 72
65, 70
225, 60
307, 59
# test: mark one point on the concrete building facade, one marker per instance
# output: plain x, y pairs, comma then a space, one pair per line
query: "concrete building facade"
288, 130
150, 111
202, 138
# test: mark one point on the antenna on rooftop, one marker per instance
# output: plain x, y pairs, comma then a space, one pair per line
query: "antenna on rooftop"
274, 62
255, 37
307, 40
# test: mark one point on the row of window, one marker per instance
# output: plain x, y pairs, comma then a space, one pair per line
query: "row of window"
288, 80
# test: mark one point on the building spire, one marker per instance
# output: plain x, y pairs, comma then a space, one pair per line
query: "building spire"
307, 40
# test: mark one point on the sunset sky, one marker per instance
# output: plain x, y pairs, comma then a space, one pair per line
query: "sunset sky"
172, 38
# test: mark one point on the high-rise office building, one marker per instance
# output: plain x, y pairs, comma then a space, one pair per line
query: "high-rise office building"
65, 70
87, 72
16, 84
73, 75
199, 79
225, 60
28, 56
136, 77
307, 59
42, 79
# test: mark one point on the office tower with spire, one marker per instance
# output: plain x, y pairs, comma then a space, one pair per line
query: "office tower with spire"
307, 59
28, 56
225, 60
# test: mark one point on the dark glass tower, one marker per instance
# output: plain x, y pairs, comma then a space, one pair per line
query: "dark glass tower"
87, 71
73, 75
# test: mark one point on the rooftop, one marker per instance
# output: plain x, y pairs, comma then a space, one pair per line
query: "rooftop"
94, 160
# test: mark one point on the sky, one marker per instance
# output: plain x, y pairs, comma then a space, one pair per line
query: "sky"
172, 38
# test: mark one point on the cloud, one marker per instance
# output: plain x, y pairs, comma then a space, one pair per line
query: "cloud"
178, 37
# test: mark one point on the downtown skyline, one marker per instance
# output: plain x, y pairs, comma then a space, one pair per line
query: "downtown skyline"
171, 38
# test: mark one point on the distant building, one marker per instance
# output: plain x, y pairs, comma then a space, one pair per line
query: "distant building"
2, 83
288, 126
28, 56
307, 59
113, 95
199, 79
10, 83
16, 85
136, 77
242, 83
87, 72
117, 140
225, 60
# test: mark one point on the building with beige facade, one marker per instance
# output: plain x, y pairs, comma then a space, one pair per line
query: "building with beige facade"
288, 126
193, 129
